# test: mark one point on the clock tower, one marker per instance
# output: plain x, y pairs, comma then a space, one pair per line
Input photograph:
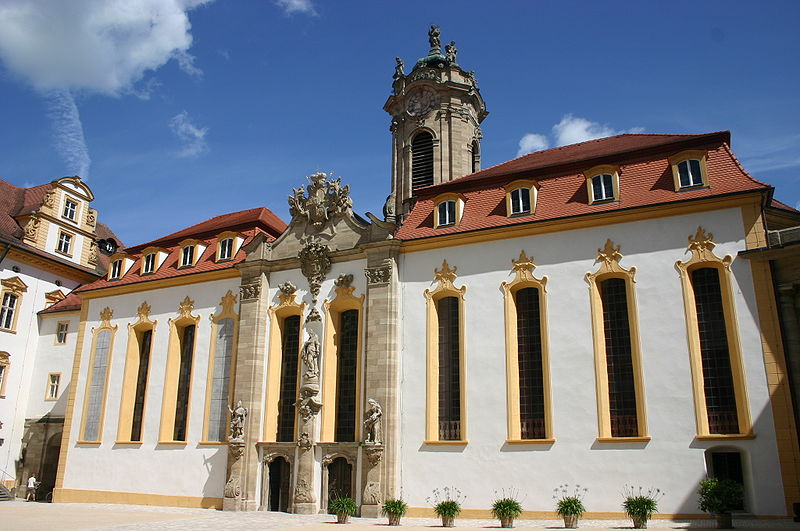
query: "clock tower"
436, 114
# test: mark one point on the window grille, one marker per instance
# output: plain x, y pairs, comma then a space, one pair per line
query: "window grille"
220, 381
184, 381
288, 396
714, 353
529, 355
449, 370
346, 377
94, 400
619, 361
422, 160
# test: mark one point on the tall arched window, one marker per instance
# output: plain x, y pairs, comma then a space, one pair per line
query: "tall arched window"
476, 156
422, 160
221, 363
134, 381
97, 378
290, 348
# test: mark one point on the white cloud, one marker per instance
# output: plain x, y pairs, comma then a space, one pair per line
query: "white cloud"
193, 137
570, 130
532, 142
296, 6
68, 132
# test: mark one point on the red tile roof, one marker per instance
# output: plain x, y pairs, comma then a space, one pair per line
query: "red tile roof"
15, 201
645, 179
248, 222
69, 303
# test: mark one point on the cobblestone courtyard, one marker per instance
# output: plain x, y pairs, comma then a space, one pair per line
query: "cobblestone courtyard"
18, 515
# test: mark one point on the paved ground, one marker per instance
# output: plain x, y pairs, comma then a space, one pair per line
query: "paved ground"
18, 515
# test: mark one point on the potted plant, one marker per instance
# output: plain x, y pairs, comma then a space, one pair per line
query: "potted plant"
718, 497
506, 508
570, 505
640, 504
446, 504
394, 509
343, 508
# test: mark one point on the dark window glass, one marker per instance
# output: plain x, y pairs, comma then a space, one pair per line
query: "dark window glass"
476, 157
603, 187
422, 160
289, 353
449, 370
689, 173
7, 311
619, 362
520, 200
447, 212
529, 356
346, 377
184, 379
145, 339
728, 465
714, 353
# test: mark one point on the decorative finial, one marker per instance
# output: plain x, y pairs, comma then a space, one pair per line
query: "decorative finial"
398, 69
435, 42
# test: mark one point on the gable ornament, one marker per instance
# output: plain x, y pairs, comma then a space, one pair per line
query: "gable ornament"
321, 201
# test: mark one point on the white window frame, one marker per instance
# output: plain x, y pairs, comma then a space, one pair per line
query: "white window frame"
187, 255
64, 240
695, 178
61, 333
149, 263
53, 386
8, 309
517, 203
226, 249
606, 181
116, 269
70, 213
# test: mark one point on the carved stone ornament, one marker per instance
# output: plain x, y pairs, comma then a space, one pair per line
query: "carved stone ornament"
434, 40
608, 257
236, 450
287, 288
238, 416
315, 262
310, 355
304, 441
373, 423
701, 245
445, 276
374, 453
250, 291
93, 252
233, 487
185, 307
325, 199
91, 217
308, 405
49, 199
343, 281
379, 275
32, 228
314, 315
372, 493
302, 492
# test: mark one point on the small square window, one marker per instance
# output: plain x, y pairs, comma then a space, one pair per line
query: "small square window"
70, 209
520, 201
226, 249
64, 242
187, 256
447, 213
690, 173
53, 381
149, 263
603, 187
116, 268
61, 334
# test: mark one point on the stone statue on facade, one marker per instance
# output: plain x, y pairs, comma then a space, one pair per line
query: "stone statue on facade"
238, 416
372, 423
434, 40
310, 355
398, 69
389, 209
451, 52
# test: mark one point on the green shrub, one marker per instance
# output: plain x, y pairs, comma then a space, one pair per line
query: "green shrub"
394, 507
719, 496
506, 508
641, 503
343, 506
569, 504
447, 509
446, 502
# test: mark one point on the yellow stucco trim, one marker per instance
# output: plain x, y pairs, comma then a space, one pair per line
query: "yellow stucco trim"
524, 278
287, 307
609, 257
131, 373
344, 301
531, 185
227, 302
105, 324
16, 287
439, 242
70, 407
593, 172
444, 288
774, 358
170, 397
62, 495
701, 245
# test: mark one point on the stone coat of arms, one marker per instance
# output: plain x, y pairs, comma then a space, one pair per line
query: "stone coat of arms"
322, 200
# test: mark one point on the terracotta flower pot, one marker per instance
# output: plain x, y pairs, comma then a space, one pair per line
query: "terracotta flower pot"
342, 518
639, 522
724, 521
447, 521
507, 522
394, 519
571, 521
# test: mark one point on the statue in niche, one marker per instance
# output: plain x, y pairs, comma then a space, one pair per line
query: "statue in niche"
398, 68
372, 423
310, 355
237, 422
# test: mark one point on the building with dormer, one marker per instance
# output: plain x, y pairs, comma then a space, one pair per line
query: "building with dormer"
601, 313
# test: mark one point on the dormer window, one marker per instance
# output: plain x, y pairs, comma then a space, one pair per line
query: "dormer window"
116, 269
187, 256
521, 197
689, 169
149, 264
602, 184
448, 210
226, 249
70, 209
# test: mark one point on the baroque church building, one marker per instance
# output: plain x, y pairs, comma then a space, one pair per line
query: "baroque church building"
597, 313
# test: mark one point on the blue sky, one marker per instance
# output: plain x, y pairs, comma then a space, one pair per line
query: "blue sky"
180, 110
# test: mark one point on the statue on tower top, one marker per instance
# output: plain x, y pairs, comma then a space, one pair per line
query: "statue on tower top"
433, 39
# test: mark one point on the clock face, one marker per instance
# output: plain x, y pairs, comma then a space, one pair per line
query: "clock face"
421, 102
